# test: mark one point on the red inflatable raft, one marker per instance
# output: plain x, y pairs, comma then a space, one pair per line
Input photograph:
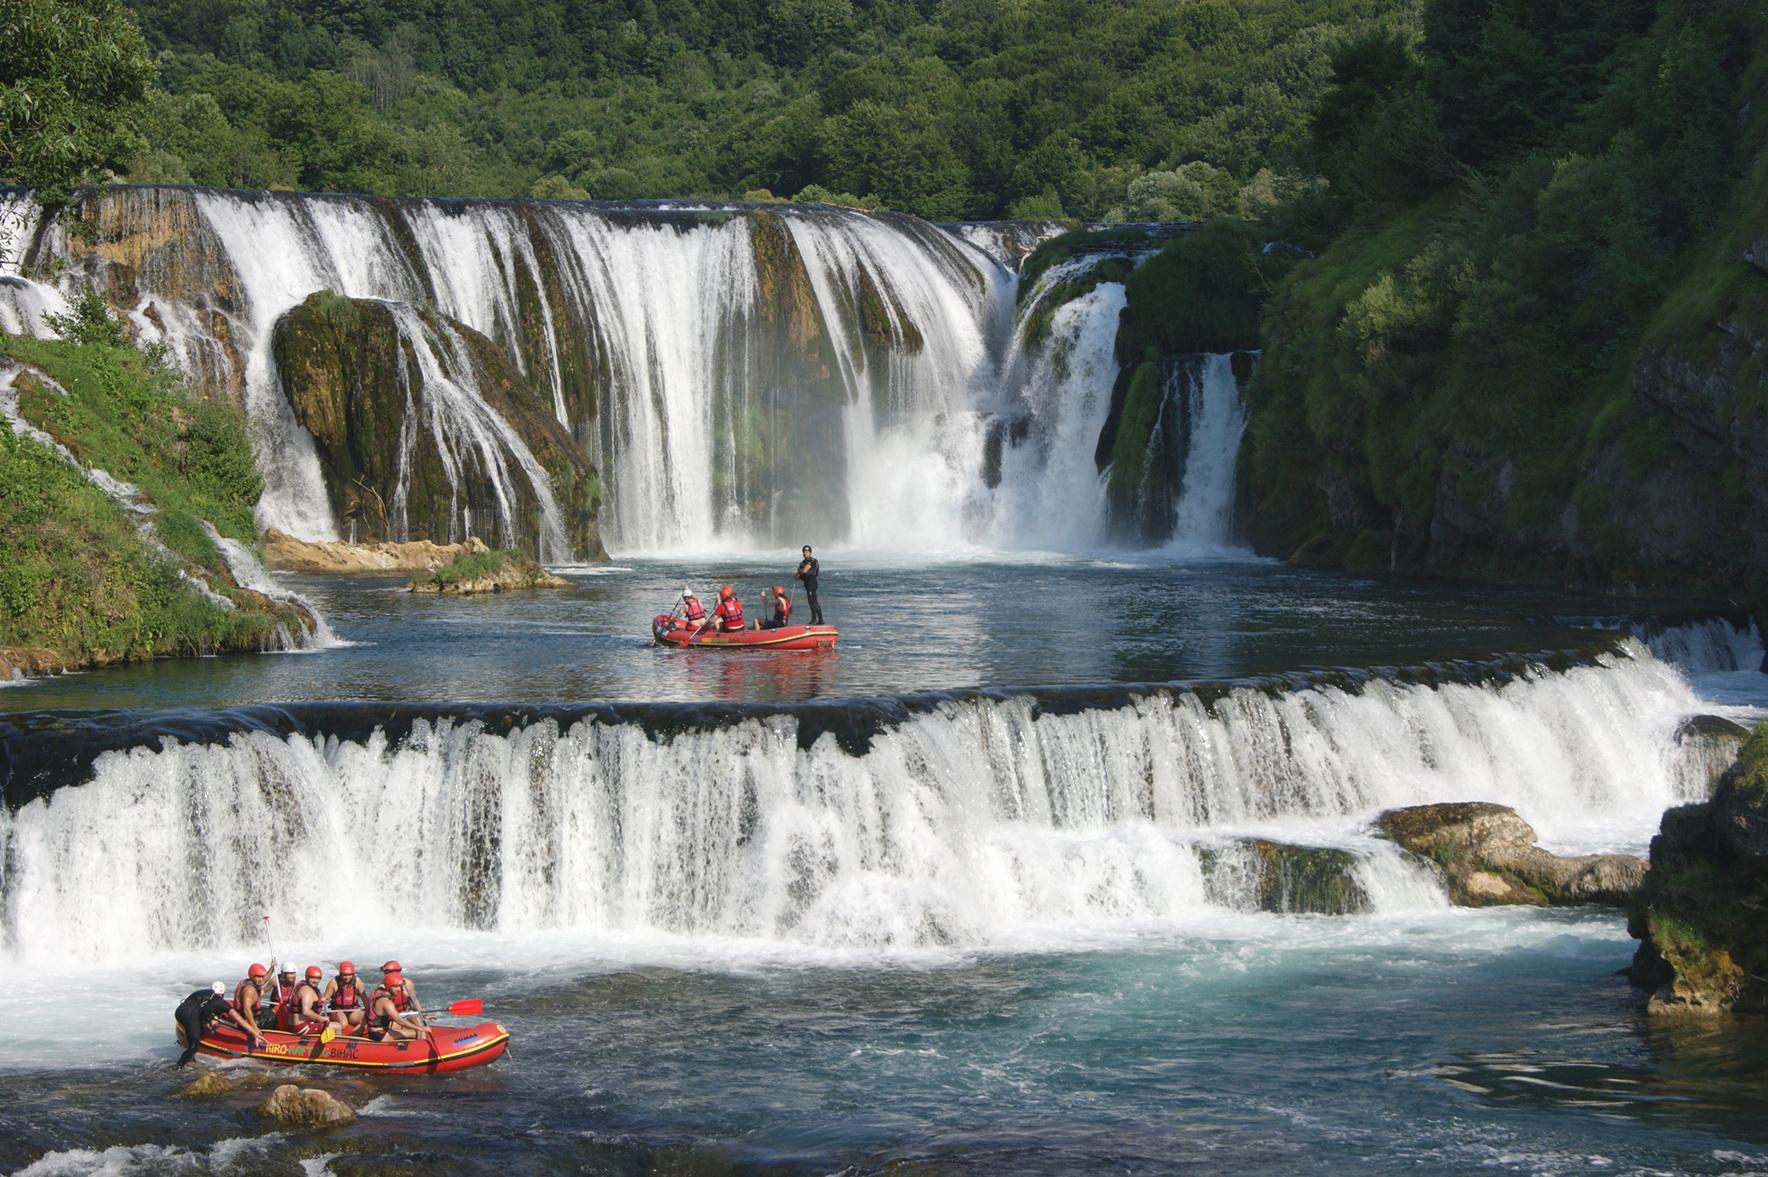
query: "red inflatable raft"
446, 1048
787, 637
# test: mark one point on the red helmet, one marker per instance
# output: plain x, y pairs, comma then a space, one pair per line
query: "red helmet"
257, 970
778, 591
346, 969
391, 966
726, 591
314, 972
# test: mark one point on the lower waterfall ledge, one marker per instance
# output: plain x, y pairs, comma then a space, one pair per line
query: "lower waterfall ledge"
1486, 856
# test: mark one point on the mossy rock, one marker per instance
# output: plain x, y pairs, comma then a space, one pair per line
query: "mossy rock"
350, 374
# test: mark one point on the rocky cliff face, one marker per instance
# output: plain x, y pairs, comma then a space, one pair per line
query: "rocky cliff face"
407, 452
1702, 915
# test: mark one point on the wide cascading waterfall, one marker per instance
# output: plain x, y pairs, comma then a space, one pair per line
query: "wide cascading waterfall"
960, 822
739, 374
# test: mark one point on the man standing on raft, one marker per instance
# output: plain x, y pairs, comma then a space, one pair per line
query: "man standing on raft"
807, 572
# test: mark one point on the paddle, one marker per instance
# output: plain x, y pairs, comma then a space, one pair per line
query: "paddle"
471, 1007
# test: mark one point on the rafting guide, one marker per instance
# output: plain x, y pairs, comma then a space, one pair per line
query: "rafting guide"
690, 625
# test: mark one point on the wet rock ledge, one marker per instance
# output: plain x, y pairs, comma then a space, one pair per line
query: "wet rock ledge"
1486, 856
1702, 916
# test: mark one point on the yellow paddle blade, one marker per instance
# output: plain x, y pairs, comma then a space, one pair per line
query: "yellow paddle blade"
327, 1034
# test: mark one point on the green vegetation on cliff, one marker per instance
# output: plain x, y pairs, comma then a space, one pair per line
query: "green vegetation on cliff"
1533, 352
1050, 108
94, 580
485, 572
1703, 942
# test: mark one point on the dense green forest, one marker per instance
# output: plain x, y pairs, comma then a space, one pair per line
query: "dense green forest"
971, 108
1534, 350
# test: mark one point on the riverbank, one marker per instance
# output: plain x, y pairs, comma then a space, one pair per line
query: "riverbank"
126, 505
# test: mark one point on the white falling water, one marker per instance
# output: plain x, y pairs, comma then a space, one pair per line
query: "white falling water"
1204, 517
468, 435
982, 822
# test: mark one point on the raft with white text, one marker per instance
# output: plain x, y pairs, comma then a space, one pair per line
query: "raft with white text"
440, 1050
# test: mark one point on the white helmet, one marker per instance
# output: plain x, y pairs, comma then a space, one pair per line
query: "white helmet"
220, 987
687, 592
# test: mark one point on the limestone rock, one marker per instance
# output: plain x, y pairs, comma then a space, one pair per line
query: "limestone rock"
289, 554
1486, 856
305, 1107
21, 661
1702, 916
208, 1083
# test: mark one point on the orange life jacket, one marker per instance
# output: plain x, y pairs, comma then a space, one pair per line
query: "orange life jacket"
729, 614
692, 610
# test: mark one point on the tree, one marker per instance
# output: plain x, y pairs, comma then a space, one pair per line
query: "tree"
73, 75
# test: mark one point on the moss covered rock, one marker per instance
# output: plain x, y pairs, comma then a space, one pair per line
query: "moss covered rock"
485, 572
1486, 856
403, 461
1702, 916
1283, 878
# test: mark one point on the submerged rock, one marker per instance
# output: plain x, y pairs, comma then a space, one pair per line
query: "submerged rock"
1702, 916
288, 554
208, 1083
1284, 878
305, 1107
1486, 856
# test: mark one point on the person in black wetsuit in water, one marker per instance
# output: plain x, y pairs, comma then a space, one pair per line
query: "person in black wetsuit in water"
807, 572
202, 1009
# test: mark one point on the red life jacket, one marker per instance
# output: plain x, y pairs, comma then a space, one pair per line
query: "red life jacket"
782, 609
400, 996
239, 1000
729, 614
285, 1005
347, 996
692, 610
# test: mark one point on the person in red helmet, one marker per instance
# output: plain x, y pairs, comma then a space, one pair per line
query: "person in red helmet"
347, 1000
248, 998
728, 617
779, 609
394, 1010
307, 1015
283, 996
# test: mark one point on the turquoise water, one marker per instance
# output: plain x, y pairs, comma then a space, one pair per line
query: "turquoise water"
1475, 1041
1206, 1038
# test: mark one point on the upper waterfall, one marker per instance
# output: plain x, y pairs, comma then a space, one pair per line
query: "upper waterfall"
740, 376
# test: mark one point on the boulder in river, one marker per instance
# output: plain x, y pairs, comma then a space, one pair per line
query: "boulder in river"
486, 572
1486, 856
305, 1107
1702, 916
1281, 877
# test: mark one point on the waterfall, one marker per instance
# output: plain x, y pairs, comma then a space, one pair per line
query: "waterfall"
437, 376
1204, 514
742, 376
1051, 493
968, 821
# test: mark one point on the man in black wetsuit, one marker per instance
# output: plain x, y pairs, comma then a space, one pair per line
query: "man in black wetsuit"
205, 1006
807, 572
